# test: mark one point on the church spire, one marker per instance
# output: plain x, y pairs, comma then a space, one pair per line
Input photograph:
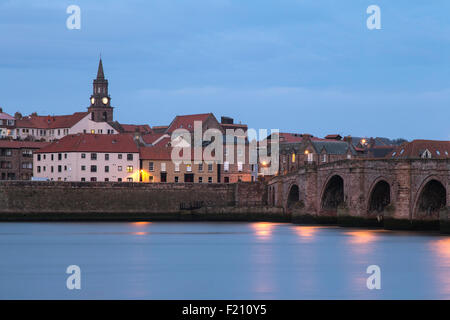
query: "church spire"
100, 74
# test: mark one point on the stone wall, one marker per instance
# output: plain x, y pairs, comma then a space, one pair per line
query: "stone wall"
89, 199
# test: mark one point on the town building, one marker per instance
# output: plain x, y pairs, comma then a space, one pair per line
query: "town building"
157, 165
422, 149
89, 157
7, 126
16, 159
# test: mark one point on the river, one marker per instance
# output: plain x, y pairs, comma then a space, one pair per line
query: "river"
219, 260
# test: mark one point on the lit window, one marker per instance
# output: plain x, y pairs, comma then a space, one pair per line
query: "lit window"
92, 131
188, 168
239, 166
163, 167
226, 166
293, 157
129, 168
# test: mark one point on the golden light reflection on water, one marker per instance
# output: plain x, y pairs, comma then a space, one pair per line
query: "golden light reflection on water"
441, 251
306, 232
140, 224
263, 230
361, 236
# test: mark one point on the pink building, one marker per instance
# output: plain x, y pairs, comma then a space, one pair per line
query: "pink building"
89, 157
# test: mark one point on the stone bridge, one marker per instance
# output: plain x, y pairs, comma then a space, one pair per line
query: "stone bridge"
372, 189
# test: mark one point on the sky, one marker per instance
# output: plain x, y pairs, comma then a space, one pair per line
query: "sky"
304, 66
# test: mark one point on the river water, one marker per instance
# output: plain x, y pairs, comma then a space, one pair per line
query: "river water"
159, 260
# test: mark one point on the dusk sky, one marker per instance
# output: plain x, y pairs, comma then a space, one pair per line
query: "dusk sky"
305, 66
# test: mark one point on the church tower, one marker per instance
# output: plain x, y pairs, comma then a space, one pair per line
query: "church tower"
100, 108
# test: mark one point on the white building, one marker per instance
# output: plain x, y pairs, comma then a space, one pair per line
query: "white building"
89, 157
7, 125
51, 128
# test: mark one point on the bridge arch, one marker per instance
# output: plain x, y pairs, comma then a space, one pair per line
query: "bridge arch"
332, 195
379, 196
293, 196
430, 198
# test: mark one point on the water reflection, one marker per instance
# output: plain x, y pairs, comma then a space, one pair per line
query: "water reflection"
263, 230
441, 251
140, 224
306, 233
361, 237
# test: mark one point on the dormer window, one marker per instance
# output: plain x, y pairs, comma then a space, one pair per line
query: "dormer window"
438, 153
403, 150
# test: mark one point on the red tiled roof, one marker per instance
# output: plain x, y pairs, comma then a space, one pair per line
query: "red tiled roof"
50, 122
16, 144
160, 152
93, 143
415, 149
152, 137
334, 136
5, 116
131, 128
187, 121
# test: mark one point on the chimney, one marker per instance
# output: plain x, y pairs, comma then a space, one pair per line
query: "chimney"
1, 110
226, 120
348, 139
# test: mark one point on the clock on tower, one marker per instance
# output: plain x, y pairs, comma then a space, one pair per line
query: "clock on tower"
100, 108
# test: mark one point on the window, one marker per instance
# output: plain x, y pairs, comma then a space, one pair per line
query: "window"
176, 179
65, 155
59, 168
83, 168
119, 156
39, 169
129, 169
106, 156
83, 156
240, 166
106, 179
293, 157
93, 168
177, 166
119, 180
163, 167
188, 168
119, 168
151, 166
226, 179
83, 179
209, 179
51, 169
310, 157
93, 179
130, 179
59, 156
324, 158
200, 179
200, 167
51, 157
106, 168
65, 168
226, 166
92, 131
130, 157
210, 167
93, 156
39, 157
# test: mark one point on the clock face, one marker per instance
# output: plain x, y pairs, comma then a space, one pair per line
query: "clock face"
92, 100
105, 100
